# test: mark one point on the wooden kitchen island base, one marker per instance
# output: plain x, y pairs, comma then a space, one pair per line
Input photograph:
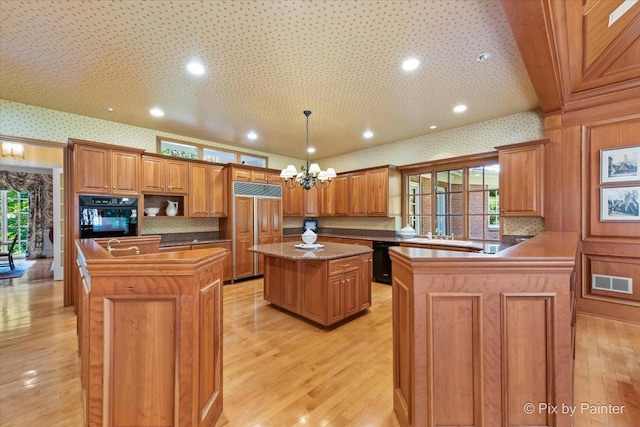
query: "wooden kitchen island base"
325, 286
484, 340
150, 334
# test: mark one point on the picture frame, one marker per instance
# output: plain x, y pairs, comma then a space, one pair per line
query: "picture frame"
620, 203
619, 164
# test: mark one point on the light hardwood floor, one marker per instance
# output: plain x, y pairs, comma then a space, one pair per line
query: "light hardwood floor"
278, 371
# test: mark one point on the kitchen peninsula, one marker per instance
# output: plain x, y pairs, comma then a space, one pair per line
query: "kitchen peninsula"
326, 285
150, 332
484, 339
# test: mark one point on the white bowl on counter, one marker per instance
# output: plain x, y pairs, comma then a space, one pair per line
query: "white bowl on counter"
151, 211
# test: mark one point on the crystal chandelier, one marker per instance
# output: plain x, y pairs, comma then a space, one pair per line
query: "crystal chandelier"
310, 176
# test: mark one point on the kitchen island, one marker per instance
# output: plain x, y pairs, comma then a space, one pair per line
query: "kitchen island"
485, 340
326, 285
149, 332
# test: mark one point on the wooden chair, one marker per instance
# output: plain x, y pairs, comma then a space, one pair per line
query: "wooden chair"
9, 253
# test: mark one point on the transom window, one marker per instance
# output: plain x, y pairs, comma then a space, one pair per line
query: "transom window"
188, 150
454, 199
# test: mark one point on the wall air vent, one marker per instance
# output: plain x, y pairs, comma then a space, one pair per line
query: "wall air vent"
623, 285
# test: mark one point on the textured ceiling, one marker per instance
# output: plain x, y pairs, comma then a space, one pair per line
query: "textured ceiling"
266, 62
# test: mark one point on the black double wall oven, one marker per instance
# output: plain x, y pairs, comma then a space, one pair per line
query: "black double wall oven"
108, 216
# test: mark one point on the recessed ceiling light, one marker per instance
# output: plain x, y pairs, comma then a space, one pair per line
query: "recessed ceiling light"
311, 150
459, 108
110, 109
483, 57
195, 68
433, 127
156, 112
368, 134
252, 135
410, 64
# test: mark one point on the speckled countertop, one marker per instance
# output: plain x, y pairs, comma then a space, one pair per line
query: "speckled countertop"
329, 251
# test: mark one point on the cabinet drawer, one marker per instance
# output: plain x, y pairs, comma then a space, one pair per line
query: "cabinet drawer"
338, 266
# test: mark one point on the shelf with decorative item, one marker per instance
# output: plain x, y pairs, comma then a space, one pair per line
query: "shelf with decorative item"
166, 206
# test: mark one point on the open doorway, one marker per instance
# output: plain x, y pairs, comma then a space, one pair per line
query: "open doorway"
36, 218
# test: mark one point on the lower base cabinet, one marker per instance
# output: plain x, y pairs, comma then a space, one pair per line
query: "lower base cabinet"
325, 292
151, 338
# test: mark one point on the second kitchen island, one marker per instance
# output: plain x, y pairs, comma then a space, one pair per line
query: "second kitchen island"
325, 285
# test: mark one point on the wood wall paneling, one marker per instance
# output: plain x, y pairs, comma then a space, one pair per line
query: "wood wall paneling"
625, 267
607, 135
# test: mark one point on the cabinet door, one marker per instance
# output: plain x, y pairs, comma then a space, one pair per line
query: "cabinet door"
198, 201
217, 193
378, 192
314, 291
293, 199
176, 176
350, 293
228, 264
92, 169
290, 297
125, 173
240, 174
366, 273
340, 186
311, 202
275, 217
152, 174
521, 172
335, 301
358, 193
326, 201
259, 176
272, 282
244, 264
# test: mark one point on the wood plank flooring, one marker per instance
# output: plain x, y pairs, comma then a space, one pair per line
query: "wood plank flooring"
278, 371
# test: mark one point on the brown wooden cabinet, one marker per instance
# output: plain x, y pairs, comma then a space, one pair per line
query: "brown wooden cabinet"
374, 192
522, 179
293, 201
247, 174
102, 169
333, 201
208, 190
164, 175
228, 262
269, 225
324, 291
299, 202
474, 346
343, 290
244, 229
150, 337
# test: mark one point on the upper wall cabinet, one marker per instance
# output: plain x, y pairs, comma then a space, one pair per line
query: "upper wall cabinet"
101, 169
208, 190
375, 192
164, 175
334, 201
522, 179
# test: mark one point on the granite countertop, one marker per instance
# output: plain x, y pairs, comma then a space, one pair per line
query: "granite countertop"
196, 238
487, 246
329, 251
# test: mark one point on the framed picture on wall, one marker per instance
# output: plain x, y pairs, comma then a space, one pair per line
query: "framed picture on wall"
619, 164
620, 204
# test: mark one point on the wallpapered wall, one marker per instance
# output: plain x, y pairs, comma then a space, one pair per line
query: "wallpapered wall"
39, 123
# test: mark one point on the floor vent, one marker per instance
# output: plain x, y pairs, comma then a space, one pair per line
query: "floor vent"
623, 285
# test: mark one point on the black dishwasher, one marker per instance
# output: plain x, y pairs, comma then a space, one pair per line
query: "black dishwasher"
382, 262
